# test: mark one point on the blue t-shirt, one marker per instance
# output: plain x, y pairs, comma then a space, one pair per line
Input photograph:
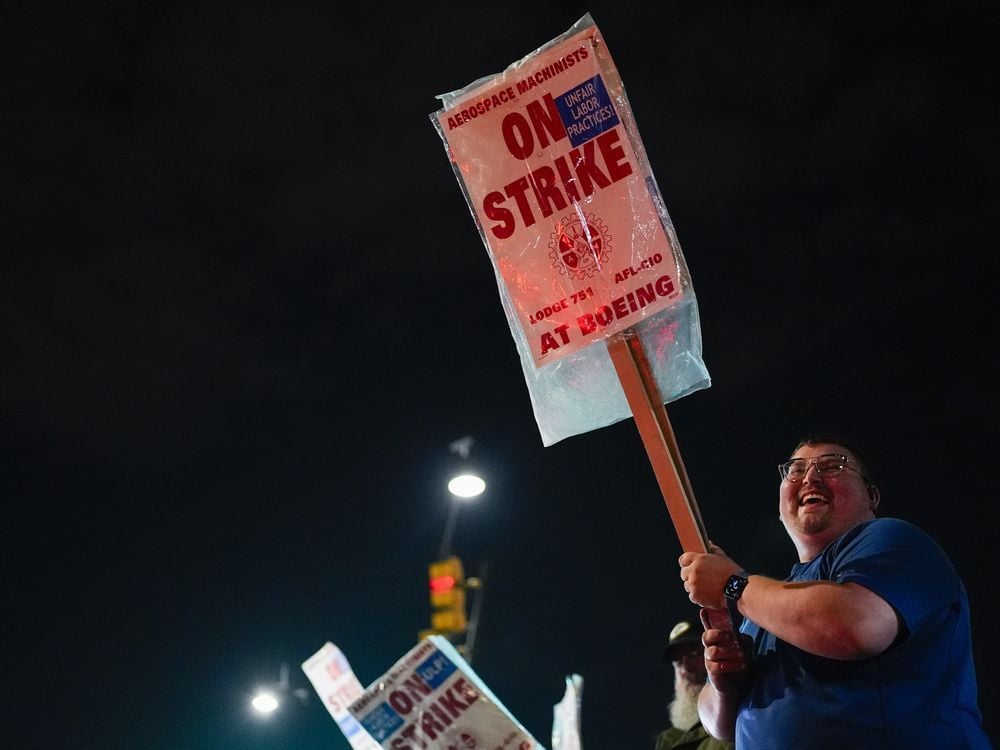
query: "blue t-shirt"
919, 693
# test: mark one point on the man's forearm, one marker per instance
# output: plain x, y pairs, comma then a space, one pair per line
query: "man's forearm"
718, 711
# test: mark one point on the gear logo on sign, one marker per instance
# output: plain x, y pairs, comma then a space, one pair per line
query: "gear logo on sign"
580, 248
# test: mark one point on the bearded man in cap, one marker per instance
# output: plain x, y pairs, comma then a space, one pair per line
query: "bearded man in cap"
685, 653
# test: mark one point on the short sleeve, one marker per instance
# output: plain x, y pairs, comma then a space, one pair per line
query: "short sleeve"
899, 562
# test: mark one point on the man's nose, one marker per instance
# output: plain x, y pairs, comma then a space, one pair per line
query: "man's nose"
811, 467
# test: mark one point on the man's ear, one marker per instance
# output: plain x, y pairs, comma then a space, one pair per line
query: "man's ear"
873, 497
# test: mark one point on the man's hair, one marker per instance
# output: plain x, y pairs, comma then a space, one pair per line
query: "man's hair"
814, 438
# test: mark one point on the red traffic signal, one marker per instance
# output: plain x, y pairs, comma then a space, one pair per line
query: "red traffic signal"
447, 589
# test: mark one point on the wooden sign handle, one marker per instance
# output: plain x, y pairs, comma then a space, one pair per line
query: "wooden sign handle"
650, 416
643, 396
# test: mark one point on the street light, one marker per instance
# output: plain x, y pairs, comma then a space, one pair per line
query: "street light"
467, 486
267, 700
463, 487
448, 583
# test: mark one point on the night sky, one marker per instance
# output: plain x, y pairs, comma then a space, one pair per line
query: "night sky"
246, 310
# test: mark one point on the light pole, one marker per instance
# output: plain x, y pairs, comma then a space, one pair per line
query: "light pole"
464, 487
447, 577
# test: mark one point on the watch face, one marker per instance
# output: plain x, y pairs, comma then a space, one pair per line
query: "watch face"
734, 587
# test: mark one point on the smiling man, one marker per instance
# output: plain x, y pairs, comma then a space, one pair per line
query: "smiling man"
865, 645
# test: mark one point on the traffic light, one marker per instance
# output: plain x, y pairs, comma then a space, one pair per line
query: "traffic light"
447, 584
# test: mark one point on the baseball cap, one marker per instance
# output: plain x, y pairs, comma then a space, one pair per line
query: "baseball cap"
683, 635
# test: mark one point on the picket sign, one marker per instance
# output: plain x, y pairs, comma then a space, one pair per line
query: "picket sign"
549, 159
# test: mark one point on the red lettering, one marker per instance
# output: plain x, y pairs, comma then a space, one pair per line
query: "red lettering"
632, 306
621, 309
614, 155
430, 725
645, 294
466, 691
546, 120
440, 714
664, 286
568, 181
543, 181
401, 702
587, 169
451, 703
579, 178
410, 733
416, 688
516, 190
493, 208
517, 135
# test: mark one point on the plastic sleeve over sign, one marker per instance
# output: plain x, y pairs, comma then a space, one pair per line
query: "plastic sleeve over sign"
432, 699
549, 159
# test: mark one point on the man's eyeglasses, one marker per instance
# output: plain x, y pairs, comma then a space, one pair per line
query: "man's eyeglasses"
826, 465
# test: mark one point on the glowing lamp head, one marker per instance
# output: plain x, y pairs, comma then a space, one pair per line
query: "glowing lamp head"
264, 703
466, 486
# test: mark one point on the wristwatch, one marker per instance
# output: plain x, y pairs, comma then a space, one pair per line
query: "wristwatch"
733, 590
735, 585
